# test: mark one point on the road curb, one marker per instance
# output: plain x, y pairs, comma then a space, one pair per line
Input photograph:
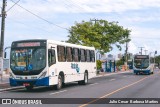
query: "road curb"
111, 74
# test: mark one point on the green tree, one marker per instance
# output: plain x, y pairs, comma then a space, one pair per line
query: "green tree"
103, 35
157, 60
99, 64
119, 62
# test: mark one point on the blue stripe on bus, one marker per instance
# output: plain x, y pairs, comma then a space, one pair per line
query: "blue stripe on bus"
144, 71
37, 82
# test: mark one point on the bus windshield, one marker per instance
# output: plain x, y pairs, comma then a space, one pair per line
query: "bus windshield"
141, 63
28, 61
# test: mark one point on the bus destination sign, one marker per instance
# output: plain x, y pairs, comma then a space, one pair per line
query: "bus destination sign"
28, 44
141, 56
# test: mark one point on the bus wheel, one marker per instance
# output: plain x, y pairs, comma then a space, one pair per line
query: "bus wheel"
63, 84
59, 84
85, 81
29, 88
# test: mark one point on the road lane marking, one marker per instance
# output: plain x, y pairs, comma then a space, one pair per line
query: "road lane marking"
57, 92
124, 87
93, 84
112, 79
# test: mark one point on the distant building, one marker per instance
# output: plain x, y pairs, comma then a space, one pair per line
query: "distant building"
119, 55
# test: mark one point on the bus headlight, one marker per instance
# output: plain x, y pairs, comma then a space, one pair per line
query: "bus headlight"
43, 75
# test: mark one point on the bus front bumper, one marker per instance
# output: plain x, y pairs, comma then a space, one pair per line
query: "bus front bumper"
142, 71
35, 82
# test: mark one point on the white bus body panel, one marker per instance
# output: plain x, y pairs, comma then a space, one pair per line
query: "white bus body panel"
70, 74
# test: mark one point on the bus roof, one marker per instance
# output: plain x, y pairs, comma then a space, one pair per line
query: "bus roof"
69, 44
56, 43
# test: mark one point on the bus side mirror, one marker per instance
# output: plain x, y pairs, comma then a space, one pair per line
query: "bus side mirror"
5, 54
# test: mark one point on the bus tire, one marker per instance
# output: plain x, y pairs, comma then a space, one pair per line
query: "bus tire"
29, 88
63, 84
79, 82
59, 83
85, 81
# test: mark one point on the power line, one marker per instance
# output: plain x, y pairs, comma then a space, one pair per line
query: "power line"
12, 6
69, 5
39, 16
27, 25
95, 20
76, 5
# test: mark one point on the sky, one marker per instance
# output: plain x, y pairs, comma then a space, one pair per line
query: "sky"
140, 16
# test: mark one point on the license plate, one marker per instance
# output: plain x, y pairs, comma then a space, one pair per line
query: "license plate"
26, 84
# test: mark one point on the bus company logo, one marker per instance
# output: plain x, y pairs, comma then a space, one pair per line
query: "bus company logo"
6, 101
75, 66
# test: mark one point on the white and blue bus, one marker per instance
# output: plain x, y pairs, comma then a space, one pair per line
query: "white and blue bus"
50, 63
142, 64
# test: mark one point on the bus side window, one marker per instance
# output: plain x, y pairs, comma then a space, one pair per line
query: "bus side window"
82, 57
88, 59
75, 54
69, 54
51, 57
92, 56
61, 53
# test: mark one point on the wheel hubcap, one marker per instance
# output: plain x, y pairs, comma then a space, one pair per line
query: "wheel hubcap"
86, 78
59, 83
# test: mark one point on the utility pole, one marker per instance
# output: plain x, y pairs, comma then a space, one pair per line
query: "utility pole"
126, 58
95, 20
3, 15
141, 49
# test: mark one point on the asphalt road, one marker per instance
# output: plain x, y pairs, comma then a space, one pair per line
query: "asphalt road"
124, 85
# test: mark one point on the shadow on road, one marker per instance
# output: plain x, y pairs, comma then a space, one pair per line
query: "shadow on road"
47, 89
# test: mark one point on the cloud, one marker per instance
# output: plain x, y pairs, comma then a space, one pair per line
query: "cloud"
132, 48
145, 32
142, 19
144, 37
92, 6
130, 14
